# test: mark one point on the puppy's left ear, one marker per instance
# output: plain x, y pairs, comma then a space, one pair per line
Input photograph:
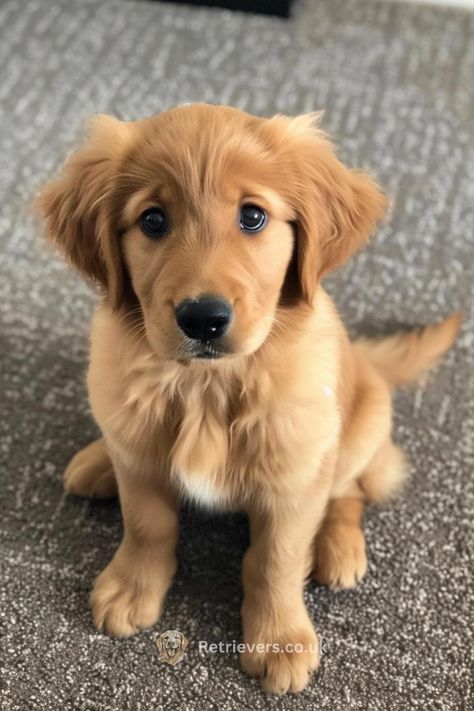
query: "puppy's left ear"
337, 208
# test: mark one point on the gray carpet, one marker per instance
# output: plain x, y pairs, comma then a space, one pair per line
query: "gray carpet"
397, 85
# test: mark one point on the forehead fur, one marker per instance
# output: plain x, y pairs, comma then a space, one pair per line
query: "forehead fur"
202, 150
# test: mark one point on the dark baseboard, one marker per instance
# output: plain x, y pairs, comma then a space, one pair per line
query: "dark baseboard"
280, 8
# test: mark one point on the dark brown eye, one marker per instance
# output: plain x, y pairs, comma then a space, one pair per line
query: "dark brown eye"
154, 223
252, 218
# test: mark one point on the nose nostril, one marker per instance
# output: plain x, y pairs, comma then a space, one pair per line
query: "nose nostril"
205, 318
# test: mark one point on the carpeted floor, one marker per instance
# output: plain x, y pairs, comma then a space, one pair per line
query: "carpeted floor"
397, 85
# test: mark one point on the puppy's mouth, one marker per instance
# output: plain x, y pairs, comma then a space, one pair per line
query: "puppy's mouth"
204, 350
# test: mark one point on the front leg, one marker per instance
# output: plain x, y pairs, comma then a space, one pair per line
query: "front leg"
128, 595
274, 571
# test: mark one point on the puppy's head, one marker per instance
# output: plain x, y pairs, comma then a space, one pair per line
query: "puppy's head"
206, 220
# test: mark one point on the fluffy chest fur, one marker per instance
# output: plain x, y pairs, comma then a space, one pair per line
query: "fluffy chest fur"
224, 433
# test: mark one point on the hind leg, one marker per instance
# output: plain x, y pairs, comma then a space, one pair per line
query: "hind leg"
90, 473
385, 474
339, 550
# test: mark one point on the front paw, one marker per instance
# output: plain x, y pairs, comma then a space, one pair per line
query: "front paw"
128, 597
285, 662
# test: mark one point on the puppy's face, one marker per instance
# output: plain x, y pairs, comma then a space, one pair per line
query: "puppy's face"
206, 240
206, 220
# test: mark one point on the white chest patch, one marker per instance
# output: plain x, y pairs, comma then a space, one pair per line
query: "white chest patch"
201, 489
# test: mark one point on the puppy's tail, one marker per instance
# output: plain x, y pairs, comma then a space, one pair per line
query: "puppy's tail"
402, 357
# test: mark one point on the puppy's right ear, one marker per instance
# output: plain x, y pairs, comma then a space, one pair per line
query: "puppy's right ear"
77, 206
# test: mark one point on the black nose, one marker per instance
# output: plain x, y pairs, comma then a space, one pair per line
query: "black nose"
204, 318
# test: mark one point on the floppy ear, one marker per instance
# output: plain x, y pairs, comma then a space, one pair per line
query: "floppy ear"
337, 208
77, 210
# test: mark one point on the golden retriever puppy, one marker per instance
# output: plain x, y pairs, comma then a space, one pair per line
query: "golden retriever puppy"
219, 367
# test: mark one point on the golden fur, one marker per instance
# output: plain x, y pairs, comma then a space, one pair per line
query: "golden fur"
293, 425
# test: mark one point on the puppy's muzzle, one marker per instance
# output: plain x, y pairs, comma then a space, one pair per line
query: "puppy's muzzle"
204, 318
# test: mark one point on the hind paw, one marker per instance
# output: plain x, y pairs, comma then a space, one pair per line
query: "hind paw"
90, 473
